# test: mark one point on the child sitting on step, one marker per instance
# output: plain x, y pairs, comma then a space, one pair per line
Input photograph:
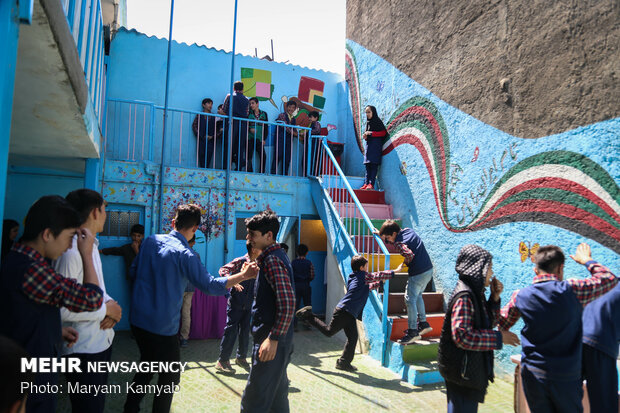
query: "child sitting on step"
420, 269
349, 308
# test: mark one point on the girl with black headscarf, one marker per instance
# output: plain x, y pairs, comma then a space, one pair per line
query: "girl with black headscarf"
467, 338
375, 135
10, 229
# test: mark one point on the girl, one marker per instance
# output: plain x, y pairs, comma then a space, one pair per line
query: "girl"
375, 135
467, 341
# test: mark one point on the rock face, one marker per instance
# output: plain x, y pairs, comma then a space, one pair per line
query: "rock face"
528, 67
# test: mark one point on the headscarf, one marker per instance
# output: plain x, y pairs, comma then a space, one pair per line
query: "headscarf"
374, 124
472, 265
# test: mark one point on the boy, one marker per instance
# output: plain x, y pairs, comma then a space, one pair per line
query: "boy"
349, 309
315, 127
161, 271
303, 273
257, 138
32, 292
237, 314
186, 307
552, 335
204, 130
94, 328
284, 138
128, 251
420, 270
272, 316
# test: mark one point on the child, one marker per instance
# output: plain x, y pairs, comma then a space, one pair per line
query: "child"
272, 316
186, 307
375, 135
349, 308
315, 131
238, 314
303, 273
128, 251
32, 292
552, 335
467, 340
420, 269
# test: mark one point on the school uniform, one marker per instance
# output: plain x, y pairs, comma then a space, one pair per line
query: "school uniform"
284, 143
374, 146
303, 272
551, 340
272, 315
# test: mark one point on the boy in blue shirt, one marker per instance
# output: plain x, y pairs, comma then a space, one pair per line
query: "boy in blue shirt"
420, 269
303, 273
349, 309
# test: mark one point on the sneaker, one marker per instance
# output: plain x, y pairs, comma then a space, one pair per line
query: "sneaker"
424, 328
224, 367
364, 186
304, 313
345, 366
241, 362
184, 343
370, 187
409, 337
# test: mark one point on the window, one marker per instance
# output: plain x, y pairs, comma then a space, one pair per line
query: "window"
119, 222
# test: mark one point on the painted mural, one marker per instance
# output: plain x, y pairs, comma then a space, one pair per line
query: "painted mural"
257, 83
457, 180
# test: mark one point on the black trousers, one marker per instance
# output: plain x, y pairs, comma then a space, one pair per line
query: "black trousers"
341, 320
85, 402
256, 145
599, 370
154, 347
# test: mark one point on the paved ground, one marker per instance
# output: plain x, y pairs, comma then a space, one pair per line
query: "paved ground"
316, 386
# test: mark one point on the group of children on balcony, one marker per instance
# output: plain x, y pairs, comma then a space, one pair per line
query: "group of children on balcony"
249, 137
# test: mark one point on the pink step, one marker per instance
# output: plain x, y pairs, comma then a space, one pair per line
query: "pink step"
369, 244
374, 211
364, 196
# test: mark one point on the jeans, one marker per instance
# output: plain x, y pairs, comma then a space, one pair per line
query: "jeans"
154, 347
341, 320
413, 298
237, 323
458, 401
371, 173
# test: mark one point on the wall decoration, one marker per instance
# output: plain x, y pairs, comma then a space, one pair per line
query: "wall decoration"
257, 83
351, 77
525, 250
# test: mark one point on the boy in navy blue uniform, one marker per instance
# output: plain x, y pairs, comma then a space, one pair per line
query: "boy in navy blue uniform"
552, 335
420, 270
238, 314
349, 309
272, 316
601, 335
303, 273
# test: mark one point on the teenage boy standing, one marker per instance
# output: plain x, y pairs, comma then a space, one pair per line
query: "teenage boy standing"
272, 316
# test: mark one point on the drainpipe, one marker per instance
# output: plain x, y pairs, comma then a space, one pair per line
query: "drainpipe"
230, 132
163, 138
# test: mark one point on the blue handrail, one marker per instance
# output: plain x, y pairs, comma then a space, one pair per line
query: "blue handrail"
385, 322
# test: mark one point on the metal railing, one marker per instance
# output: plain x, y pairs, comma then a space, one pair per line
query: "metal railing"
86, 25
134, 131
355, 220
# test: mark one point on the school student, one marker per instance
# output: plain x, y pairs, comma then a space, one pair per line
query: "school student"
374, 135
272, 316
552, 334
303, 273
349, 309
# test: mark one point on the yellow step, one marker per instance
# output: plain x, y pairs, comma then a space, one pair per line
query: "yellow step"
376, 262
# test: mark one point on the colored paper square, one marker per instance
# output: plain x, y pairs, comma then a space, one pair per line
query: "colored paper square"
247, 73
306, 84
312, 94
263, 90
263, 76
318, 102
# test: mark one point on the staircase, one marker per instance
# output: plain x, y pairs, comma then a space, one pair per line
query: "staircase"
348, 222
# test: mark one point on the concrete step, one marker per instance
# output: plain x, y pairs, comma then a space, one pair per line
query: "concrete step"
356, 182
364, 196
399, 325
376, 262
370, 244
374, 211
357, 226
433, 303
420, 374
415, 363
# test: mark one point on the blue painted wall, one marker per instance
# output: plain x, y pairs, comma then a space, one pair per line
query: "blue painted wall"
443, 170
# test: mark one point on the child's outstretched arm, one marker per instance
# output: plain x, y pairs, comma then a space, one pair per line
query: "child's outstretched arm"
374, 279
602, 280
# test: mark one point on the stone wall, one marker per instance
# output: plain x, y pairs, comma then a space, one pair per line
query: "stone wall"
529, 68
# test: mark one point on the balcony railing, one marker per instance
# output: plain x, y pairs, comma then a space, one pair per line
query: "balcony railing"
134, 131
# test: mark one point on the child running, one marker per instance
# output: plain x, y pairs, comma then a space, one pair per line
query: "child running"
349, 309
238, 314
375, 135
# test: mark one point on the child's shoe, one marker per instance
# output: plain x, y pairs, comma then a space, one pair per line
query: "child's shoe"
340, 365
224, 367
242, 362
364, 186
370, 187
424, 327
409, 337
304, 313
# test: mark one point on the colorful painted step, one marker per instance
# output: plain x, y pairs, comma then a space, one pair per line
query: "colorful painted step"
370, 244
399, 282
374, 211
376, 262
399, 325
356, 226
420, 374
364, 196
420, 350
433, 303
